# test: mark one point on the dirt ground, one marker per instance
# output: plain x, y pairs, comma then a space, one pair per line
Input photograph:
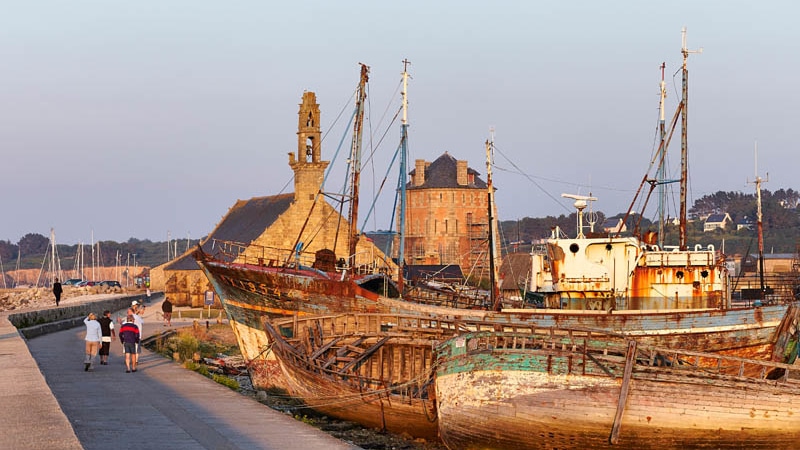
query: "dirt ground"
222, 337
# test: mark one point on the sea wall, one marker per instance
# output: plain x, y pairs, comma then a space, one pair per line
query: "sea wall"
37, 322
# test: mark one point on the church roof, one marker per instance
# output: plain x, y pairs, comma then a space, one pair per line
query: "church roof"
245, 221
443, 173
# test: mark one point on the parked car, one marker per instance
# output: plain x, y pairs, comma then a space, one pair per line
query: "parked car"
87, 283
110, 283
72, 282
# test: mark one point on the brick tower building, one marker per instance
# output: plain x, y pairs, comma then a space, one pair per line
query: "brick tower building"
447, 216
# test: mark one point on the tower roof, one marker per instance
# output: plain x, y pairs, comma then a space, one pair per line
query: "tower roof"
443, 173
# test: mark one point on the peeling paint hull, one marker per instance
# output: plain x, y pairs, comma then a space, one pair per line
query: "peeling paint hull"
496, 395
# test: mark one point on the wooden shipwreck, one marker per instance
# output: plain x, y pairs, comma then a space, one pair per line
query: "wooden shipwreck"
578, 389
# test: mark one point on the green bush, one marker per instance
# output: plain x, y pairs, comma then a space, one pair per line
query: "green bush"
187, 345
225, 381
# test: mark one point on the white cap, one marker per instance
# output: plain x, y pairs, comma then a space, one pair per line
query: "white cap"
134, 303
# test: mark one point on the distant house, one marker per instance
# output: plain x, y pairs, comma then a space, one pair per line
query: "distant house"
745, 223
614, 225
717, 221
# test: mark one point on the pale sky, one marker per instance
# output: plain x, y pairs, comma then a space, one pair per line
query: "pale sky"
139, 119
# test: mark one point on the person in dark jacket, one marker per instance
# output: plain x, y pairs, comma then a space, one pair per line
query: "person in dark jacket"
129, 336
166, 308
107, 328
57, 291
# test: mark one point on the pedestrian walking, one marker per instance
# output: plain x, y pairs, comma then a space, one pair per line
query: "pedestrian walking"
166, 308
93, 338
57, 290
130, 338
137, 309
107, 329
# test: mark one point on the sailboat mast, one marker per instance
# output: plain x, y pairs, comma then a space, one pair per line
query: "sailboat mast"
684, 145
403, 181
355, 161
52, 255
662, 169
760, 226
494, 295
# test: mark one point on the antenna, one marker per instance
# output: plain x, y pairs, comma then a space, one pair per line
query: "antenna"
580, 204
685, 50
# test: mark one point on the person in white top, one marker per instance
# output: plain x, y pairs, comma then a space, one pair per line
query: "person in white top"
94, 335
137, 310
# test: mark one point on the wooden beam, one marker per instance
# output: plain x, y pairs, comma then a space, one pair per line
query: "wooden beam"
630, 360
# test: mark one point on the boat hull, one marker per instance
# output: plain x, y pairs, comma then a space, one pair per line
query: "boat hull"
369, 375
250, 293
552, 397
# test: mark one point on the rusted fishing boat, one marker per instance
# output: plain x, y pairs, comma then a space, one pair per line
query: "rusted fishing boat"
578, 389
608, 271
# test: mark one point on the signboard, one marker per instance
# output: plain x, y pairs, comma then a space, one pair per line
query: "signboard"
209, 298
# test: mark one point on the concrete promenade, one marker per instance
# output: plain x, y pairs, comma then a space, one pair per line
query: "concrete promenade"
48, 401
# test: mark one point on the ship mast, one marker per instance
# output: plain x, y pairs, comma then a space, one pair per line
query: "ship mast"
760, 227
684, 145
662, 170
355, 162
494, 296
403, 179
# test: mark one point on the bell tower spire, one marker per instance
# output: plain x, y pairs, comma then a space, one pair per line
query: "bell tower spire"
307, 165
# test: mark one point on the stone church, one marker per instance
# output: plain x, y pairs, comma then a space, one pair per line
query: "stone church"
278, 228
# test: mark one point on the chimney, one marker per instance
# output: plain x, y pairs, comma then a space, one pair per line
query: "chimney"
419, 172
461, 173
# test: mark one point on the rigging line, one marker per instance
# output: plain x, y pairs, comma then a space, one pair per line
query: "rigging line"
531, 179
385, 177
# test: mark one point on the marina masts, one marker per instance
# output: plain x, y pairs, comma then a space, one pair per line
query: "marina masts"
355, 161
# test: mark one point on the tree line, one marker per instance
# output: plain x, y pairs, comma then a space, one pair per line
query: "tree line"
29, 252
780, 222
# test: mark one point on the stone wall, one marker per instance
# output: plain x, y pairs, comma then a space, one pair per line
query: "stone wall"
37, 322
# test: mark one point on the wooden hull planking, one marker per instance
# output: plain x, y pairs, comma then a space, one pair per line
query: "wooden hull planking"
495, 395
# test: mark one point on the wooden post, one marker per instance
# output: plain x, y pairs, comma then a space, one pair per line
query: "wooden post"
630, 360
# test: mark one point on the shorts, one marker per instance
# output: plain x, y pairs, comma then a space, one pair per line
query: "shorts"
129, 347
104, 346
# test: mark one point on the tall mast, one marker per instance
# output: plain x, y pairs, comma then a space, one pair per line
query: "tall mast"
662, 169
355, 160
494, 296
760, 226
684, 145
52, 255
403, 180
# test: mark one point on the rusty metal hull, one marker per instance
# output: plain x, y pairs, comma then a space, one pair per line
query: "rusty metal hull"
498, 391
623, 273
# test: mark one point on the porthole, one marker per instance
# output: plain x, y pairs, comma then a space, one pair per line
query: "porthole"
679, 274
574, 248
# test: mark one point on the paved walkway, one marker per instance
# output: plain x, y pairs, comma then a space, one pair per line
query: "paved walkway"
59, 406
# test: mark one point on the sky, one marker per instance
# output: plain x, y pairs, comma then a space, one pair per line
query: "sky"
149, 119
